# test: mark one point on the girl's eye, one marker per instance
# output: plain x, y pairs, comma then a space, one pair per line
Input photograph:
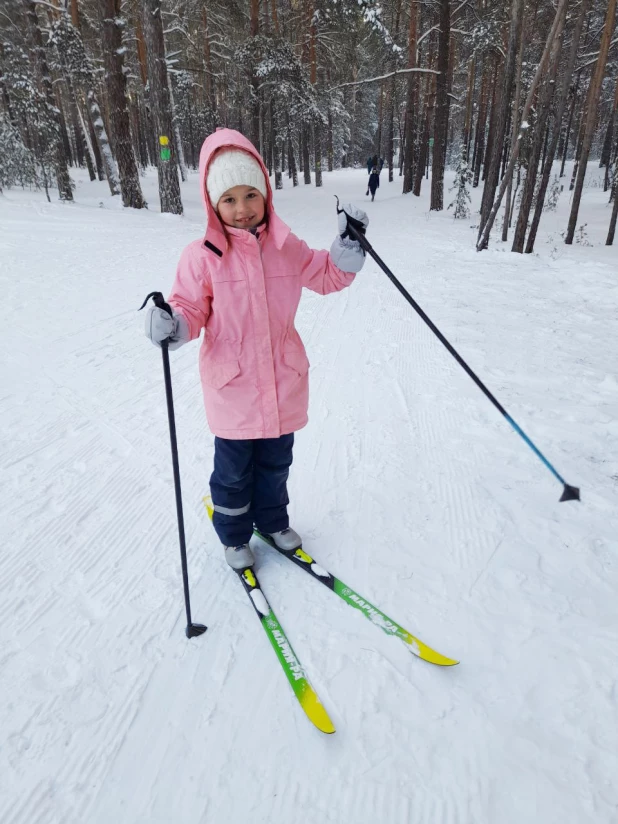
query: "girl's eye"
251, 195
228, 199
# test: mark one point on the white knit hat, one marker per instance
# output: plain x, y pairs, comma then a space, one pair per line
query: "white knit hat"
233, 167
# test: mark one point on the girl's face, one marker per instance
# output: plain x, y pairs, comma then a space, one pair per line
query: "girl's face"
242, 207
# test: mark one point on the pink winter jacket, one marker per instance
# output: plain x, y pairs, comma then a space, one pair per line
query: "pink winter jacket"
244, 291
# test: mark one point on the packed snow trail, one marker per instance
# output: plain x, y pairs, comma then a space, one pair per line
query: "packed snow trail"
406, 482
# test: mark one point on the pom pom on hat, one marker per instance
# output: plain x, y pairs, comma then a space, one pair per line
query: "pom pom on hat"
233, 167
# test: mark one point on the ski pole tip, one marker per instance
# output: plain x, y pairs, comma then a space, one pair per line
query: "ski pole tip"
570, 493
193, 630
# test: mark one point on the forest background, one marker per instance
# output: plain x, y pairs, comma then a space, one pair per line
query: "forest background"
505, 93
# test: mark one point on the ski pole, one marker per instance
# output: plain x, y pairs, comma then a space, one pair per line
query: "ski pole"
357, 232
192, 629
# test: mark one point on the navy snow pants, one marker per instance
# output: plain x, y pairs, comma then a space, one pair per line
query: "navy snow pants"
249, 486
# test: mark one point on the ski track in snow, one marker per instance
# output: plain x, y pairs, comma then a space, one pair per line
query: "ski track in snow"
406, 484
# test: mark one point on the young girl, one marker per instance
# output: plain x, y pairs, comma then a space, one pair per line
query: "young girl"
242, 284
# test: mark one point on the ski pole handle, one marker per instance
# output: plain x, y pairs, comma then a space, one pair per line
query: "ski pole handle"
352, 223
159, 301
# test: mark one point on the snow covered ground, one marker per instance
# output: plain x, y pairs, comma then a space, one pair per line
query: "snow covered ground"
406, 483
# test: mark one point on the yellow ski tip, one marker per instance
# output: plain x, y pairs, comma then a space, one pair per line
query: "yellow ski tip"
208, 504
427, 653
315, 712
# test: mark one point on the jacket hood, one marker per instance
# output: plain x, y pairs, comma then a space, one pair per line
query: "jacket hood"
215, 231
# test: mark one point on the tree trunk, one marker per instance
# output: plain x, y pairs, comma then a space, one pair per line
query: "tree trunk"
567, 137
275, 143
120, 128
275, 17
591, 115
578, 146
425, 118
180, 154
91, 159
606, 154
606, 151
555, 31
390, 132
493, 117
562, 101
440, 131
292, 159
423, 154
491, 177
160, 106
66, 138
255, 82
467, 130
210, 80
81, 136
65, 191
98, 158
514, 128
144, 141
409, 128
305, 152
481, 127
75, 14
317, 152
379, 139
313, 77
329, 147
540, 135
612, 221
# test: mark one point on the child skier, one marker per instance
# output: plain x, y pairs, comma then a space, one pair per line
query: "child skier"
242, 283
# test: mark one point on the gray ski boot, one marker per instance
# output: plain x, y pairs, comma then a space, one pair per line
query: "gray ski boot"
287, 540
239, 557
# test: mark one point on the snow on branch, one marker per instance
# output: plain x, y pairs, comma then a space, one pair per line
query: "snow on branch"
45, 3
594, 56
383, 77
433, 28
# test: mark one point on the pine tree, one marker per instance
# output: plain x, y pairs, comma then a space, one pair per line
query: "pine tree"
17, 162
55, 146
116, 83
442, 111
30, 112
78, 67
463, 179
161, 107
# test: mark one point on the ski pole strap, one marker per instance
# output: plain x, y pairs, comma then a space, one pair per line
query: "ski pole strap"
351, 222
158, 300
355, 224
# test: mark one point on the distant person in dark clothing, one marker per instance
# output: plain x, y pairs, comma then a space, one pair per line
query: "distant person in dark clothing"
374, 181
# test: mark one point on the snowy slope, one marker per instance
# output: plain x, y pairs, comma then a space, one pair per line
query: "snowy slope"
406, 483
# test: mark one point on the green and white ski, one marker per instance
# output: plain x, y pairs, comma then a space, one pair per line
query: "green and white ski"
353, 599
304, 692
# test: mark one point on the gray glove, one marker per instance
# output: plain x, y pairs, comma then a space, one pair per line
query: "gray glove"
160, 326
346, 253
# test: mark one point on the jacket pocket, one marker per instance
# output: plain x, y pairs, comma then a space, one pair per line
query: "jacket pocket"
217, 374
297, 361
